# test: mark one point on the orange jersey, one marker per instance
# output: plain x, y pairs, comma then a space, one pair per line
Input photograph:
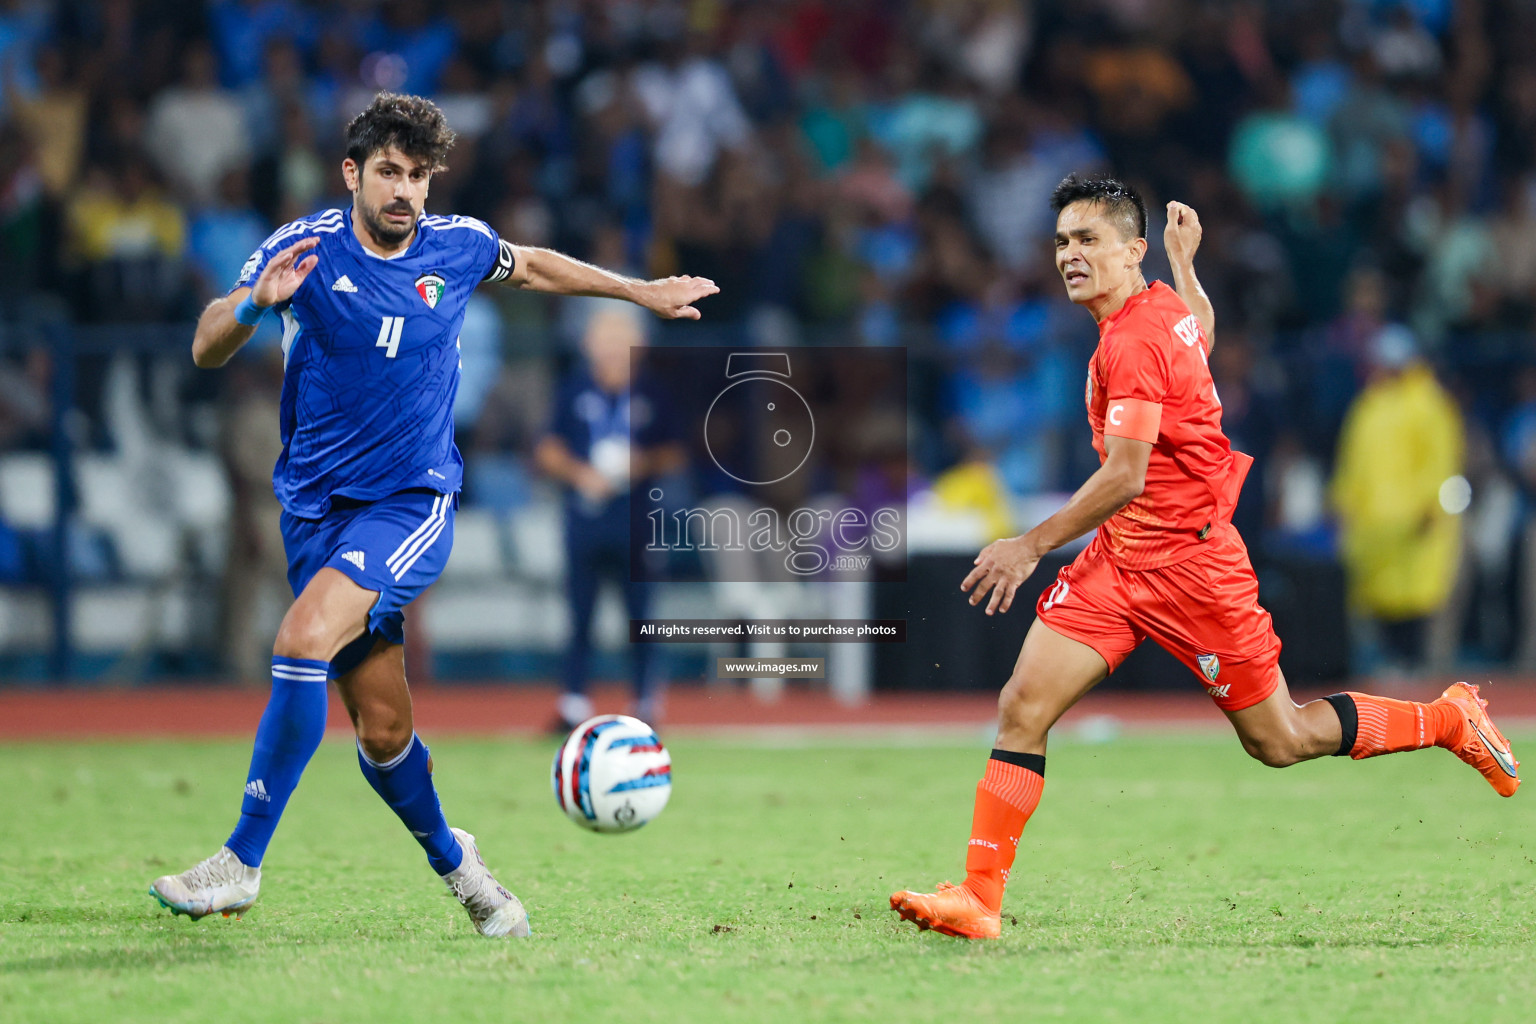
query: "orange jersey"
1149, 380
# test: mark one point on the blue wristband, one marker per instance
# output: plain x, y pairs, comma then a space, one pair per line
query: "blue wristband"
249, 313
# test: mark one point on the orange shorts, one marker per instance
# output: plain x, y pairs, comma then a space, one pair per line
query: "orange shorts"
1204, 611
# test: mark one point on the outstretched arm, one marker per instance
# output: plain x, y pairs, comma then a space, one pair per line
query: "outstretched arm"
544, 270
1181, 238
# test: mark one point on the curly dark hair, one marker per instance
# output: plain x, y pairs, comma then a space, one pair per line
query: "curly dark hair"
1120, 201
412, 124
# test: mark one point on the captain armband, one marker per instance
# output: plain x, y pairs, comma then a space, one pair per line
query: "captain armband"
506, 261
1133, 418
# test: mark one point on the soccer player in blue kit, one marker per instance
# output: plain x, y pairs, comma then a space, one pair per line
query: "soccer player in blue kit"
371, 300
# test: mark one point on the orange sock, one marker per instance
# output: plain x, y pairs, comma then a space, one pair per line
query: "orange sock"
1005, 798
1386, 726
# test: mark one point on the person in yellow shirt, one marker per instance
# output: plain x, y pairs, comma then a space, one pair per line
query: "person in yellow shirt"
1398, 492
126, 241
974, 485
123, 216
53, 118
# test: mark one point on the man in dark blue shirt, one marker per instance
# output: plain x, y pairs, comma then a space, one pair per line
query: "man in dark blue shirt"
371, 300
599, 413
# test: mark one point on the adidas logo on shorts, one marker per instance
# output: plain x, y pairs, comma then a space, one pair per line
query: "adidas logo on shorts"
356, 558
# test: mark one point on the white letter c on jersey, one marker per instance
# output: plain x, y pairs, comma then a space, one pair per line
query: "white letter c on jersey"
1114, 414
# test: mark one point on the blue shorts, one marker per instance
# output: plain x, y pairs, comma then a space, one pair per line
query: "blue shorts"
397, 546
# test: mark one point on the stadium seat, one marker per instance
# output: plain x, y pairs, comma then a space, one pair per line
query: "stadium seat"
27, 490
477, 548
204, 503
538, 541
496, 616
146, 550
118, 619
147, 542
201, 490
106, 493
685, 600
25, 623
931, 527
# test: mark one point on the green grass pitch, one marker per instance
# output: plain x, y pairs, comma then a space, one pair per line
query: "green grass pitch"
1163, 879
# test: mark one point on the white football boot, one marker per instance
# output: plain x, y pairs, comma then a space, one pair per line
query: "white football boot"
221, 884
495, 911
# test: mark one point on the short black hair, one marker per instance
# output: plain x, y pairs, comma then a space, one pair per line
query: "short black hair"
1120, 201
412, 124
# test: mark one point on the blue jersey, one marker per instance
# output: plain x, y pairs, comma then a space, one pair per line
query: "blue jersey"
371, 360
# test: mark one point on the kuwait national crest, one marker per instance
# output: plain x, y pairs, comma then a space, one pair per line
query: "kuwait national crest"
1210, 665
430, 288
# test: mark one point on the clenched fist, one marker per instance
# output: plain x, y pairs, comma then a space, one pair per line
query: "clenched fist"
1182, 235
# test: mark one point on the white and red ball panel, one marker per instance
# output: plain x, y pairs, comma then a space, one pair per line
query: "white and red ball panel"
612, 774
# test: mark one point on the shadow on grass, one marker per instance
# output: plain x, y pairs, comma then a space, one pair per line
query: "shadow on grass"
124, 958
127, 938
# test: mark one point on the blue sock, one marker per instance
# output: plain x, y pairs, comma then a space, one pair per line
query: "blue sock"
286, 739
405, 783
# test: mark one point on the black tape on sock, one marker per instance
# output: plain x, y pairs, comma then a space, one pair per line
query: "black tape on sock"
1349, 721
1034, 762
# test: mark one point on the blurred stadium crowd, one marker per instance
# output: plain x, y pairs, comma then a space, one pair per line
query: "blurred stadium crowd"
866, 172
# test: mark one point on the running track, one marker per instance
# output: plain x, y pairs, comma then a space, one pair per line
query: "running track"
500, 709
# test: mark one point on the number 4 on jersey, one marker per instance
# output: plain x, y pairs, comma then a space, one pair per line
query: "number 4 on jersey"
389, 335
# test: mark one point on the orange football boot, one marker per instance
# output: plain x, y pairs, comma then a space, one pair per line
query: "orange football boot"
1482, 745
953, 910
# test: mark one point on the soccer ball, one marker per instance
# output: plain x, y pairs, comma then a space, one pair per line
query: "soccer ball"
612, 774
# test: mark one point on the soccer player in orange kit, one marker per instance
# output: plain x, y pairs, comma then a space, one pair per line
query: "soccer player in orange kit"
1166, 562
